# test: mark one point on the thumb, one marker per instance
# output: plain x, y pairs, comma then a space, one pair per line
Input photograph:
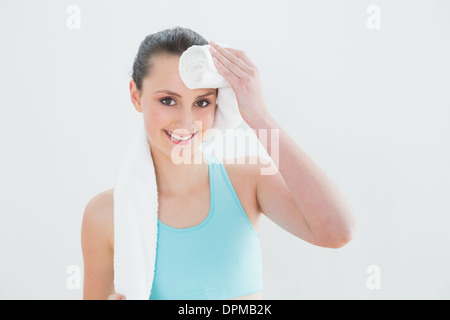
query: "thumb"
117, 296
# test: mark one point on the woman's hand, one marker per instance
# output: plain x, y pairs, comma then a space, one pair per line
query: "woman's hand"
117, 296
243, 76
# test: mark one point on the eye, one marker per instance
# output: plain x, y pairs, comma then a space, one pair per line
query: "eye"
166, 99
200, 104
207, 103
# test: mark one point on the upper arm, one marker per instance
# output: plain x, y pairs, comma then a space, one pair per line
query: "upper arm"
97, 245
276, 202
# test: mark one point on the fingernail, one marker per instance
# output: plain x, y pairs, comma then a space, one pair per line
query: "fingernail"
213, 43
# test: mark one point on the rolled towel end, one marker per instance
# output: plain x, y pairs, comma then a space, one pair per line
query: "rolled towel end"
197, 69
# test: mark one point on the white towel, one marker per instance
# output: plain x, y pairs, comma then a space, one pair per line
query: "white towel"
135, 192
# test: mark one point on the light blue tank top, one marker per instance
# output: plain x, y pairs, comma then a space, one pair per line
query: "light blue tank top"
219, 259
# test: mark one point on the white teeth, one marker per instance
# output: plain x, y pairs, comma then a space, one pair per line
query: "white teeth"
179, 138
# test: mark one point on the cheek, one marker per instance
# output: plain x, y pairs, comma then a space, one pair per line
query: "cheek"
154, 120
207, 122
209, 118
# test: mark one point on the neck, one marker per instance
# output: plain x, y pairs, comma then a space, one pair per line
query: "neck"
178, 179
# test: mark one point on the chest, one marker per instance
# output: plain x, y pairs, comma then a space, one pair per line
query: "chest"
189, 211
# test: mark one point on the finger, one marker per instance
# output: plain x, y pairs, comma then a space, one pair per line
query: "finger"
117, 296
229, 63
241, 55
230, 54
225, 72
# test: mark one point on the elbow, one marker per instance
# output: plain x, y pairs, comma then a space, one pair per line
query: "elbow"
343, 235
337, 240
336, 234
341, 240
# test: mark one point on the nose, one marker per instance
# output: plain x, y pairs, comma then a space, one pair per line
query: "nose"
185, 124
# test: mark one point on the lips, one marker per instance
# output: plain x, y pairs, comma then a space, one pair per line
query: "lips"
179, 138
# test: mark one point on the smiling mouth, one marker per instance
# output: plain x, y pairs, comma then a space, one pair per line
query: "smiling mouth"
175, 138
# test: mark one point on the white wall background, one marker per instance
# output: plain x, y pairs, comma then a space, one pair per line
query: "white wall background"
371, 107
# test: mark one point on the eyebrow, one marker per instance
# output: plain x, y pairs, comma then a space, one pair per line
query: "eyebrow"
177, 95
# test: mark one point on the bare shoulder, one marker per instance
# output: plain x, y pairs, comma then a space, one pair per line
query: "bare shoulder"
97, 246
243, 171
98, 218
246, 166
244, 175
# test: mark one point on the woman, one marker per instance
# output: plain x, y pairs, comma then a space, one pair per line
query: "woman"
211, 229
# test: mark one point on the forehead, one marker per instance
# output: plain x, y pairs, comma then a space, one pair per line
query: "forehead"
164, 73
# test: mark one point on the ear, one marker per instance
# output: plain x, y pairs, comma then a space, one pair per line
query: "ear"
135, 96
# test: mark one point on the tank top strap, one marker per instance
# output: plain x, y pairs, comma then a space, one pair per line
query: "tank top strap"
212, 159
220, 258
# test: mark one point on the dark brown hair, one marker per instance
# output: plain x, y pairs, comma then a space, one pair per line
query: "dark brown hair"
172, 41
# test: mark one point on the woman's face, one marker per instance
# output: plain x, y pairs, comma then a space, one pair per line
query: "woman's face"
169, 106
